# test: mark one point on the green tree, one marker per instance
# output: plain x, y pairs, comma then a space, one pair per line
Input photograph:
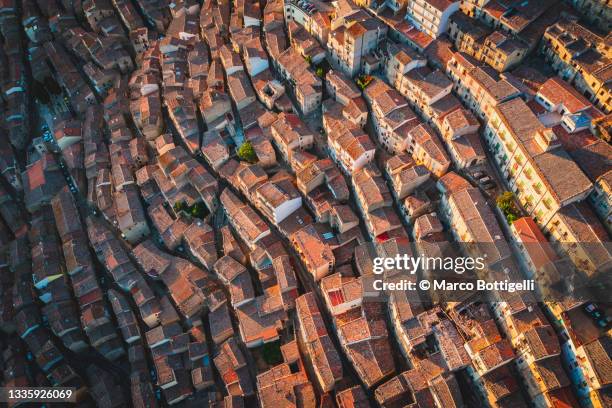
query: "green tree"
198, 210
180, 206
506, 202
511, 218
308, 59
320, 73
363, 81
247, 153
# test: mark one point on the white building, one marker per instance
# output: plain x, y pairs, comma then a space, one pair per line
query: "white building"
431, 16
278, 199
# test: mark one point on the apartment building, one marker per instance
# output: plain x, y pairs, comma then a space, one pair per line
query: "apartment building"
531, 159
307, 87
521, 18
349, 145
595, 359
594, 160
471, 219
431, 16
401, 59
500, 50
399, 129
596, 12
426, 148
278, 198
314, 17
576, 231
390, 112
349, 44
460, 133
536, 252
424, 88
479, 87
539, 364
574, 111
326, 363
582, 58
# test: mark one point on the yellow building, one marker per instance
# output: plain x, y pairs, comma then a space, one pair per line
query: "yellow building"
500, 50
582, 58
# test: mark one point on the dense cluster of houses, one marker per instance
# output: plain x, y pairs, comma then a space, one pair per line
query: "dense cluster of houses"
194, 196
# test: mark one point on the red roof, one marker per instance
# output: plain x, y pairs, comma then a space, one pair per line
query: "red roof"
560, 92
563, 398
495, 9
574, 141
383, 237
253, 132
336, 297
536, 108
90, 297
419, 38
230, 377
534, 241
293, 119
36, 175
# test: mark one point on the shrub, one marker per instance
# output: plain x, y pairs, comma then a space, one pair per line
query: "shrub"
247, 153
180, 206
363, 81
198, 210
506, 202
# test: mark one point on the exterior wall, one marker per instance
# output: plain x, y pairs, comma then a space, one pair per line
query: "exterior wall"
522, 178
348, 57
560, 236
308, 103
286, 209
232, 70
457, 224
362, 160
421, 157
562, 61
601, 199
251, 22
429, 19
597, 12
471, 93
136, 233
409, 188
256, 65
293, 12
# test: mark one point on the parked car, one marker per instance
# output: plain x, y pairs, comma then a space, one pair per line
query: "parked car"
489, 185
593, 310
478, 175
604, 321
485, 180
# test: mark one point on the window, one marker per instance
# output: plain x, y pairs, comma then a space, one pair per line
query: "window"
538, 188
